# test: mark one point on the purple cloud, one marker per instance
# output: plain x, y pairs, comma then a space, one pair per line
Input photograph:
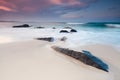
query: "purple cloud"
26, 9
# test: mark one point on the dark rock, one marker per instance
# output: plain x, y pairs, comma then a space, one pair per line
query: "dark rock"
97, 60
63, 38
54, 28
50, 39
39, 27
86, 57
73, 30
23, 26
64, 31
67, 30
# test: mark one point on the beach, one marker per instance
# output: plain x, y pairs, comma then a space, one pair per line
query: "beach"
59, 39
35, 60
24, 57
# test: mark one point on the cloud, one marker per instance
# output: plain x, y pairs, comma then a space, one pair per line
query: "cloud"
43, 8
57, 2
71, 15
66, 2
39, 5
25, 5
5, 8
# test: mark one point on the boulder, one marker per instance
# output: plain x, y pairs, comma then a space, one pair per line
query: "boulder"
85, 57
73, 30
64, 31
67, 30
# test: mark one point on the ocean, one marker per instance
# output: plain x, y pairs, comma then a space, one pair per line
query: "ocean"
87, 33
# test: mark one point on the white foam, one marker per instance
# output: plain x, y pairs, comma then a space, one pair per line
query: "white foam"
113, 25
79, 38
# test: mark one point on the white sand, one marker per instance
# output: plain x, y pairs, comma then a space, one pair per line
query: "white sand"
35, 60
5, 39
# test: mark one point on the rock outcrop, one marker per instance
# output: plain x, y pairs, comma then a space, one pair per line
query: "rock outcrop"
67, 30
49, 39
64, 31
86, 57
22, 26
73, 30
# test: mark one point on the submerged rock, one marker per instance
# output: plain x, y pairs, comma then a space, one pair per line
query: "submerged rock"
50, 39
22, 26
86, 57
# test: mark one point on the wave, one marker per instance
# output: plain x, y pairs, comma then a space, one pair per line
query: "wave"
94, 24
76, 23
103, 24
113, 25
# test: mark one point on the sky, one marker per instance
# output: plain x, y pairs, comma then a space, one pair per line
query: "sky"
60, 10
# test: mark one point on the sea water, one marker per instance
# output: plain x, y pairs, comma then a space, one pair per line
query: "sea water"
87, 33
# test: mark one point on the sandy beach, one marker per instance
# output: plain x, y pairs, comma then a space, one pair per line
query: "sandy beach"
59, 39
36, 60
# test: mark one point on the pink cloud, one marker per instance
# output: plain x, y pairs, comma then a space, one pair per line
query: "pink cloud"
6, 3
31, 6
67, 2
41, 7
23, 5
5, 8
58, 2
76, 2
36, 5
